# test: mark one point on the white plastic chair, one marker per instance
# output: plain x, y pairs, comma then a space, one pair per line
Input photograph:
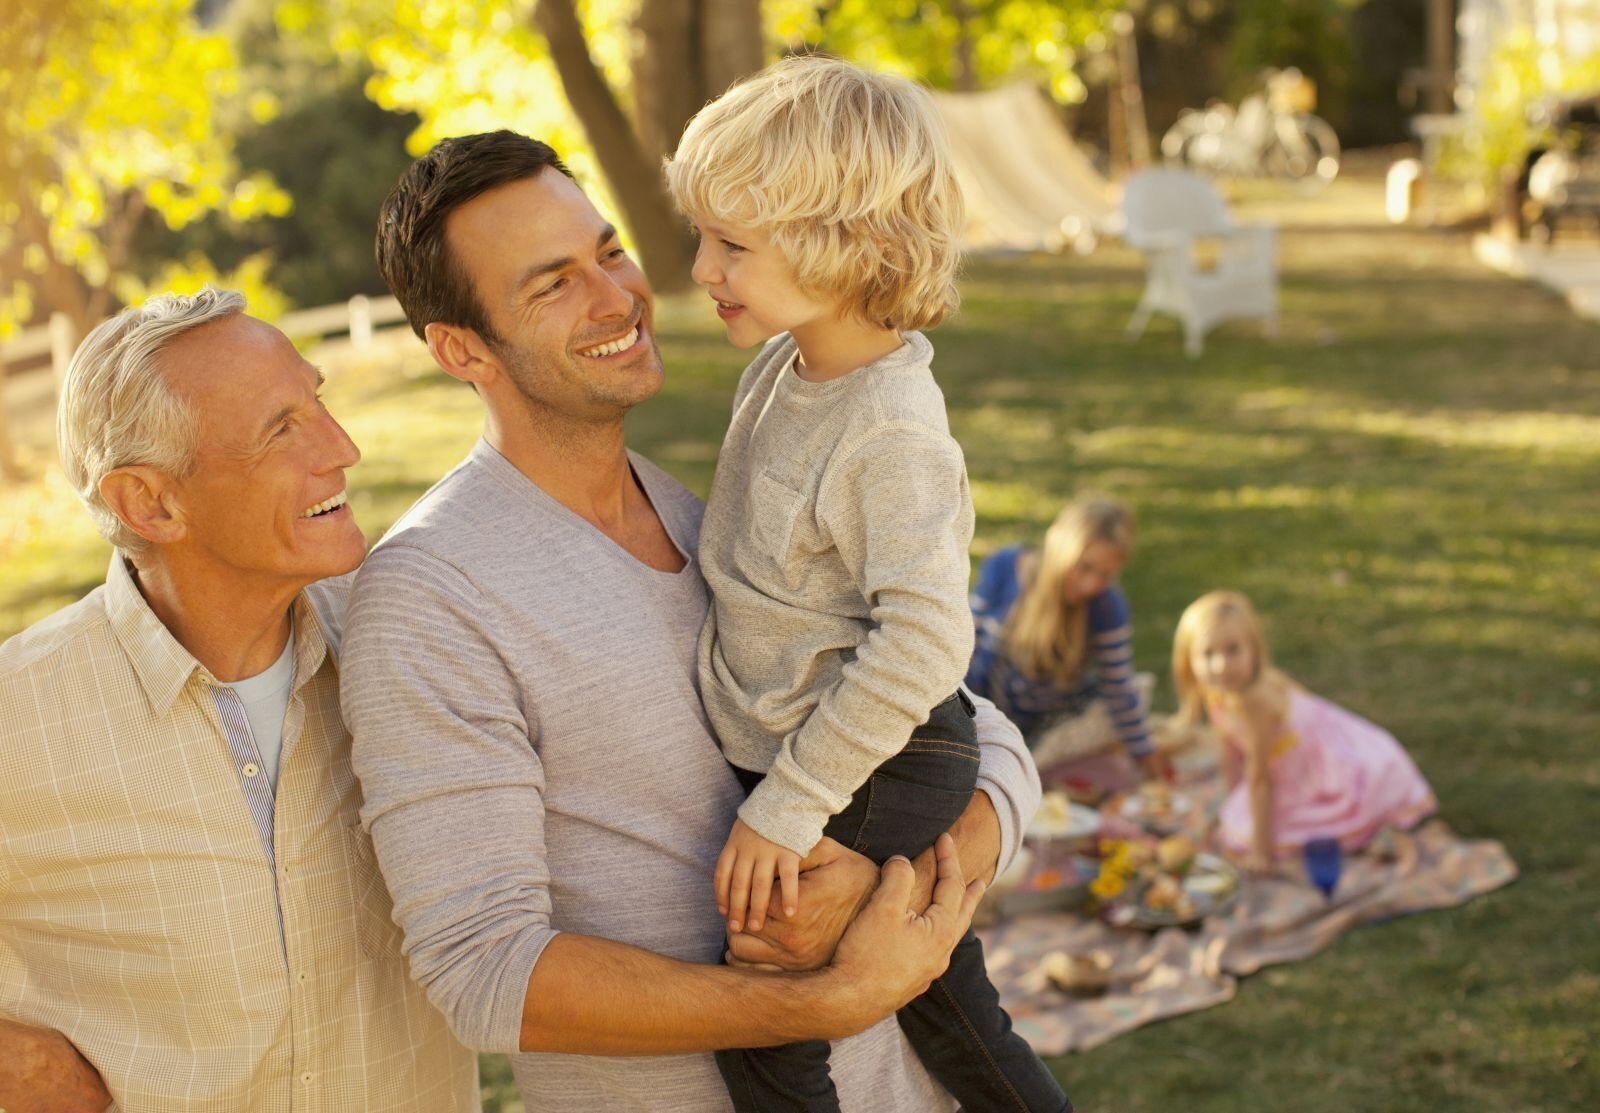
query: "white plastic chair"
1166, 212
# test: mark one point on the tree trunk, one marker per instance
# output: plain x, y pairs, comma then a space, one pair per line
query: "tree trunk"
118, 235
668, 83
1441, 57
60, 289
634, 177
731, 43
966, 63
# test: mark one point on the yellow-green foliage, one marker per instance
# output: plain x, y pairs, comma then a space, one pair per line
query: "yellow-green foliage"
466, 68
190, 274
1010, 39
1520, 72
107, 110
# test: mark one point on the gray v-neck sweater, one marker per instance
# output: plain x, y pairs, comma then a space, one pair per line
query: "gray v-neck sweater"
535, 759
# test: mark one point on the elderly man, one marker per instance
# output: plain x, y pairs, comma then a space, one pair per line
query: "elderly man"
186, 895
541, 784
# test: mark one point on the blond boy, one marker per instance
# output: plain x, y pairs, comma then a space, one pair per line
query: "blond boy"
835, 538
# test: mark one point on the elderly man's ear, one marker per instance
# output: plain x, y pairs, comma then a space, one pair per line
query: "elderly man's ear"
461, 353
145, 500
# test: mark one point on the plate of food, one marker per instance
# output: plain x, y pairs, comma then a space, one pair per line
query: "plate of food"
1059, 817
1208, 886
1156, 807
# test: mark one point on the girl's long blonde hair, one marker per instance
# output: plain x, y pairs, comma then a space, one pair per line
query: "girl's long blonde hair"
1201, 615
1045, 636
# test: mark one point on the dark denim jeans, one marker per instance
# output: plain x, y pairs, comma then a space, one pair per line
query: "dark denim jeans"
958, 1028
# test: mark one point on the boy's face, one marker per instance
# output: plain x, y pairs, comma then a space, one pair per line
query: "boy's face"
754, 286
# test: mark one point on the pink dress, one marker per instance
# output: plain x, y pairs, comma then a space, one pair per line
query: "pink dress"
1334, 775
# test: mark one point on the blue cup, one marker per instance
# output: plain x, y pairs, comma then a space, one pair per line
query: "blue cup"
1324, 861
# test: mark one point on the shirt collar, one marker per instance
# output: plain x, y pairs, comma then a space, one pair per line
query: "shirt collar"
162, 664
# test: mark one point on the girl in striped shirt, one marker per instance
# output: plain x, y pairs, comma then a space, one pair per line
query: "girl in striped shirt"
1055, 639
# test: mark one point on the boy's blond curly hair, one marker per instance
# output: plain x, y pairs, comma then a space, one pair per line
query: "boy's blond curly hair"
850, 175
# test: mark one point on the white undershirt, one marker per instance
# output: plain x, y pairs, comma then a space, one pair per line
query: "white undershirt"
266, 700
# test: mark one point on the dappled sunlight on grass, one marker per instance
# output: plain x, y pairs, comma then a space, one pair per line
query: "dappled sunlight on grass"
1538, 432
1185, 448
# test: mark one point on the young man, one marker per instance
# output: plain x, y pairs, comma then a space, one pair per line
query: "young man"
543, 791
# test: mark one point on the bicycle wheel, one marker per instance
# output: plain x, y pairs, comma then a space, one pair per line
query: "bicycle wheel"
1306, 150
1178, 145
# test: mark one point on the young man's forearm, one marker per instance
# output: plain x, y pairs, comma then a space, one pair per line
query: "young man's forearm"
591, 996
594, 997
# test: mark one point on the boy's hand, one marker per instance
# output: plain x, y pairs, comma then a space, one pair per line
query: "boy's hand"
745, 872
835, 883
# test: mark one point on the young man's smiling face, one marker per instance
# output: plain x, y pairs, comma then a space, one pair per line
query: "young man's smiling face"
571, 309
265, 504
753, 285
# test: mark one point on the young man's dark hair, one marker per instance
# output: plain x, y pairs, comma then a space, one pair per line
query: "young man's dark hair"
413, 254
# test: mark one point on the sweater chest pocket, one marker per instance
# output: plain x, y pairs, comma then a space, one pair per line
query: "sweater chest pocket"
773, 509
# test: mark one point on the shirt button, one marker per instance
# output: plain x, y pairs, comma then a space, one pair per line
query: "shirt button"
250, 769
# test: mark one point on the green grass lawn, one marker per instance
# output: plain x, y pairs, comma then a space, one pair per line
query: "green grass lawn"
1405, 482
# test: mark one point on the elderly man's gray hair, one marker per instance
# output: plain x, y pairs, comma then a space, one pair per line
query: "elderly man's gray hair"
117, 409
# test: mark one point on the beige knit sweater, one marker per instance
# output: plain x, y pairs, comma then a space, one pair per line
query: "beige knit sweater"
835, 545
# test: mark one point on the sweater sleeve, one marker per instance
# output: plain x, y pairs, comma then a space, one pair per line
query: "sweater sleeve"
899, 513
441, 746
1006, 772
1111, 639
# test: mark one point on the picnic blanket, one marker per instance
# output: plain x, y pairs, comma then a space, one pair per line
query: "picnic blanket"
1277, 919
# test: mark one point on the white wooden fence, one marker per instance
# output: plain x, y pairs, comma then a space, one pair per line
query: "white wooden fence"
358, 318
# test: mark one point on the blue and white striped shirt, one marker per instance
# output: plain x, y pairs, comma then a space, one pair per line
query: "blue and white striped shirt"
1034, 704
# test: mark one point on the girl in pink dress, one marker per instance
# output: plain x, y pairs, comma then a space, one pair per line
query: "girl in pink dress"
1299, 767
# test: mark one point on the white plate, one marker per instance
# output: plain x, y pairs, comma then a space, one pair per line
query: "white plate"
1060, 818
1133, 811
1210, 877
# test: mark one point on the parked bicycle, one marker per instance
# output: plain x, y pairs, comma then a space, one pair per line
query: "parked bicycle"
1272, 133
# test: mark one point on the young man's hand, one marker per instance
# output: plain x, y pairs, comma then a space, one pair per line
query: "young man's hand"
746, 869
835, 883
892, 953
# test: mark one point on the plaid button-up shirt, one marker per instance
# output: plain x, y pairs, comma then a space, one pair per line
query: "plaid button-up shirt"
208, 943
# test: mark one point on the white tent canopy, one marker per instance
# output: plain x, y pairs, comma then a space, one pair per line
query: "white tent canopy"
1028, 187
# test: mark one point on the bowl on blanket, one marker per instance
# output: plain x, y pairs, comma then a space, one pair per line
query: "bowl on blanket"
1081, 974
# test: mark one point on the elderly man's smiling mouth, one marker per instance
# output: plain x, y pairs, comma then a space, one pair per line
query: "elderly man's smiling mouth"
327, 506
